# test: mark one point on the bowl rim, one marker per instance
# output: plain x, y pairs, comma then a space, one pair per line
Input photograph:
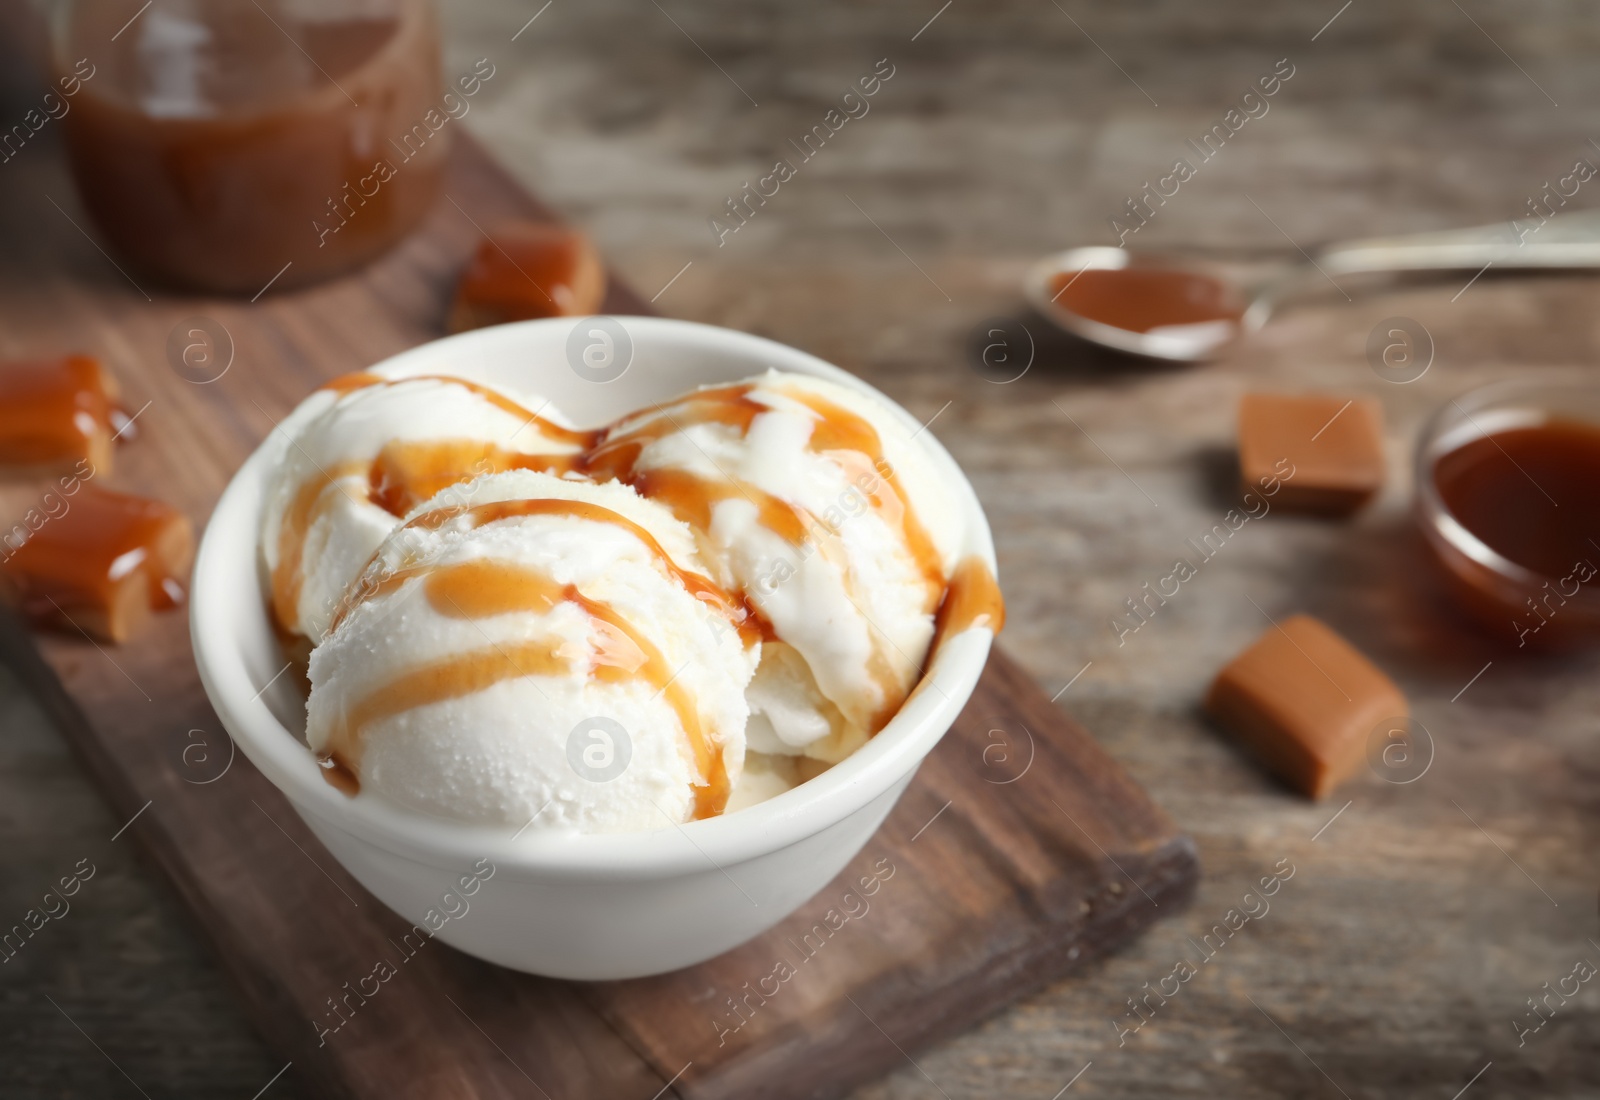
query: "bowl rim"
1453, 425
697, 846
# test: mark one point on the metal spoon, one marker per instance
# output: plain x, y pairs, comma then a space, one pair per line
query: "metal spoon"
1571, 241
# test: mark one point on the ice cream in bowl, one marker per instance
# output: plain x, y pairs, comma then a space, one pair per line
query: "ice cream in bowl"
638, 628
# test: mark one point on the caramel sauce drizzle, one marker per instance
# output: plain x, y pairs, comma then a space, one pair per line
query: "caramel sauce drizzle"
310, 502
373, 582
689, 496
450, 678
402, 476
972, 599
361, 380
482, 588
693, 498
405, 474
837, 434
356, 380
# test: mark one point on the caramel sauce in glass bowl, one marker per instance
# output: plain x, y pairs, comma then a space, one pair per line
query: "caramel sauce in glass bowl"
222, 144
1508, 496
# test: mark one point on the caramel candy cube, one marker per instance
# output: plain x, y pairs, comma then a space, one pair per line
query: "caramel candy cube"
98, 561
1327, 452
55, 413
1305, 702
527, 270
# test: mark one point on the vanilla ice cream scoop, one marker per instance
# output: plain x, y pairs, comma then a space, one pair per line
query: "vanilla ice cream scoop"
819, 506
530, 648
379, 447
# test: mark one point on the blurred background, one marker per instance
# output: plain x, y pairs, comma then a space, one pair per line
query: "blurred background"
1009, 130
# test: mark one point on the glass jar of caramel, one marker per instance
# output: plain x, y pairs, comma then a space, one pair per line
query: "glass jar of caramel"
225, 145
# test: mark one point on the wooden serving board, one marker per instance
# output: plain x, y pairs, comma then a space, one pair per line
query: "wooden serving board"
1020, 852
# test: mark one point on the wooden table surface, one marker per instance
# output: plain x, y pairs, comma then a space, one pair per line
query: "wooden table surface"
1399, 959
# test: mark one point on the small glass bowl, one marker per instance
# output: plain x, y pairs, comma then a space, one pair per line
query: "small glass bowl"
1518, 605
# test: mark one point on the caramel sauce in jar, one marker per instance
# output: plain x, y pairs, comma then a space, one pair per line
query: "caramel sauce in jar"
220, 144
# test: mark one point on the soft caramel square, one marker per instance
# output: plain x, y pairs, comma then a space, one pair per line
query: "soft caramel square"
55, 413
98, 561
1327, 451
527, 270
1305, 701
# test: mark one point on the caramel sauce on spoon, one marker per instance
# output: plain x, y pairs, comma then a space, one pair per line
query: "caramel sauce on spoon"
1144, 299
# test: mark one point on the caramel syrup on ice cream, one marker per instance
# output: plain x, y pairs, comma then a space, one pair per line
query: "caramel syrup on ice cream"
406, 473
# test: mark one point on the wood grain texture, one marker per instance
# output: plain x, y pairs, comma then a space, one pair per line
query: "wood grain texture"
998, 872
1399, 955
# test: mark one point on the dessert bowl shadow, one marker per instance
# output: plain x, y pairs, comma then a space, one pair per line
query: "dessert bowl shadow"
581, 906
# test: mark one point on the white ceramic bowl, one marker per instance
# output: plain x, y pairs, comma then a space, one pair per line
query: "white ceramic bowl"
588, 907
